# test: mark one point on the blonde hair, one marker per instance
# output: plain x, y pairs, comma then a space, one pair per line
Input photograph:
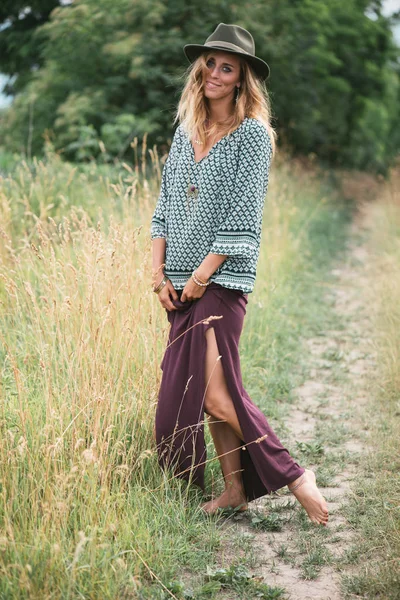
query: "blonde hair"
253, 102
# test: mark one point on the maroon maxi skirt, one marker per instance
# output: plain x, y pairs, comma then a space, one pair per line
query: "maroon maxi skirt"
266, 464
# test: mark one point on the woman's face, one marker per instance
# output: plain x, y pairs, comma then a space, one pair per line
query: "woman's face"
222, 75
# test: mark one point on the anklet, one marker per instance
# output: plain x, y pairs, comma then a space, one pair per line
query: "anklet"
302, 479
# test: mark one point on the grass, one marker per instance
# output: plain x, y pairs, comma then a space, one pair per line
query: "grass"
84, 509
374, 511
238, 579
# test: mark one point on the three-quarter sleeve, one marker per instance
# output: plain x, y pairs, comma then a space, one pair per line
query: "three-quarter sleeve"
158, 222
239, 234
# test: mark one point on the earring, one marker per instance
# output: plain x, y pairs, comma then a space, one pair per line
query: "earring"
237, 95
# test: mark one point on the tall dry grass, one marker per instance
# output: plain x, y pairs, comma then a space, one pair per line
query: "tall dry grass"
81, 340
84, 509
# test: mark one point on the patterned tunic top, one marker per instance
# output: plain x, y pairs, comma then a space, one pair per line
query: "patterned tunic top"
226, 217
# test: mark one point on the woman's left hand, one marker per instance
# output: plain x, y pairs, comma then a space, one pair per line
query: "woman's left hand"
192, 291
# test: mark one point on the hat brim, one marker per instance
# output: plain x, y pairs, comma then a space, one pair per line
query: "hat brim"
193, 51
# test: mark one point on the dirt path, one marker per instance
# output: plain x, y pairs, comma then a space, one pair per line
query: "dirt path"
325, 424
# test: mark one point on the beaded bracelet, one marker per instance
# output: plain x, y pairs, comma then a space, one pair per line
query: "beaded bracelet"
198, 281
199, 278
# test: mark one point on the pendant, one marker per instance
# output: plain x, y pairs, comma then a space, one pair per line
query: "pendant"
192, 191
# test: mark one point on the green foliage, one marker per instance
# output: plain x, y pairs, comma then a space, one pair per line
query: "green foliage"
310, 449
237, 578
269, 522
19, 40
337, 83
112, 71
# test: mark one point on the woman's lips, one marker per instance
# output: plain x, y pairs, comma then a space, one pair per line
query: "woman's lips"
212, 85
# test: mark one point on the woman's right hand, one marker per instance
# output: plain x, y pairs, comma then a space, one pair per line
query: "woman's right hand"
164, 295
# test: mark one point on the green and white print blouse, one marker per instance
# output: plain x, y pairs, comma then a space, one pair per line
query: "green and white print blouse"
226, 217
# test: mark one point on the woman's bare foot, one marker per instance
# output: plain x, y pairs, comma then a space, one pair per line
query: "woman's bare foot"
231, 497
309, 496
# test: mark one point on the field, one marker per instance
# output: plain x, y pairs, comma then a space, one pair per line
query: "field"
85, 511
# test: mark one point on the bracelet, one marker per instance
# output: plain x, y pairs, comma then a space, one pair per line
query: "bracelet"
153, 284
160, 285
201, 281
198, 281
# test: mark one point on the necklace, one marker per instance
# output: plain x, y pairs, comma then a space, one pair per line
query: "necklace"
192, 194
192, 191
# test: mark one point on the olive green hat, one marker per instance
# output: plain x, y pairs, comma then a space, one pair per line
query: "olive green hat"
234, 39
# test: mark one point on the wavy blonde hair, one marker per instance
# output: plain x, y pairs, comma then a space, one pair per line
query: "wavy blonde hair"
193, 109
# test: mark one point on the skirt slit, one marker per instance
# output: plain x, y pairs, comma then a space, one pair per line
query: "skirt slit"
266, 465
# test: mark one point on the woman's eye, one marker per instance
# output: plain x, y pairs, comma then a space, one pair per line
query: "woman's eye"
210, 62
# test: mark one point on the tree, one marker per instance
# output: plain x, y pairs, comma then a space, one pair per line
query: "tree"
114, 70
335, 79
20, 47
107, 64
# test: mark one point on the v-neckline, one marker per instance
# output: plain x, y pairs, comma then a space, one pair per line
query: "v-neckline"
212, 147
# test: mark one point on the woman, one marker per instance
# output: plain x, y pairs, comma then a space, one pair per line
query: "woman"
206, 231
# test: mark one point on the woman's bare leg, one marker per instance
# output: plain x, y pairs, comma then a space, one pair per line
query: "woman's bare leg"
228, 435
225, 430
218, 401
227, 445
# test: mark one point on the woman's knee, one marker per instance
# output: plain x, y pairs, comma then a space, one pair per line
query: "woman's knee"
214, 406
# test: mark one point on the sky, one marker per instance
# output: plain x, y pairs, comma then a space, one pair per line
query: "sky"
389, 6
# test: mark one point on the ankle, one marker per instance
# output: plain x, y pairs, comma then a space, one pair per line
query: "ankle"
294, 485
235, 487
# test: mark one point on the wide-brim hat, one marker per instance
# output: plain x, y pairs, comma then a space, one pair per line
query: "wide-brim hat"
234, 39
